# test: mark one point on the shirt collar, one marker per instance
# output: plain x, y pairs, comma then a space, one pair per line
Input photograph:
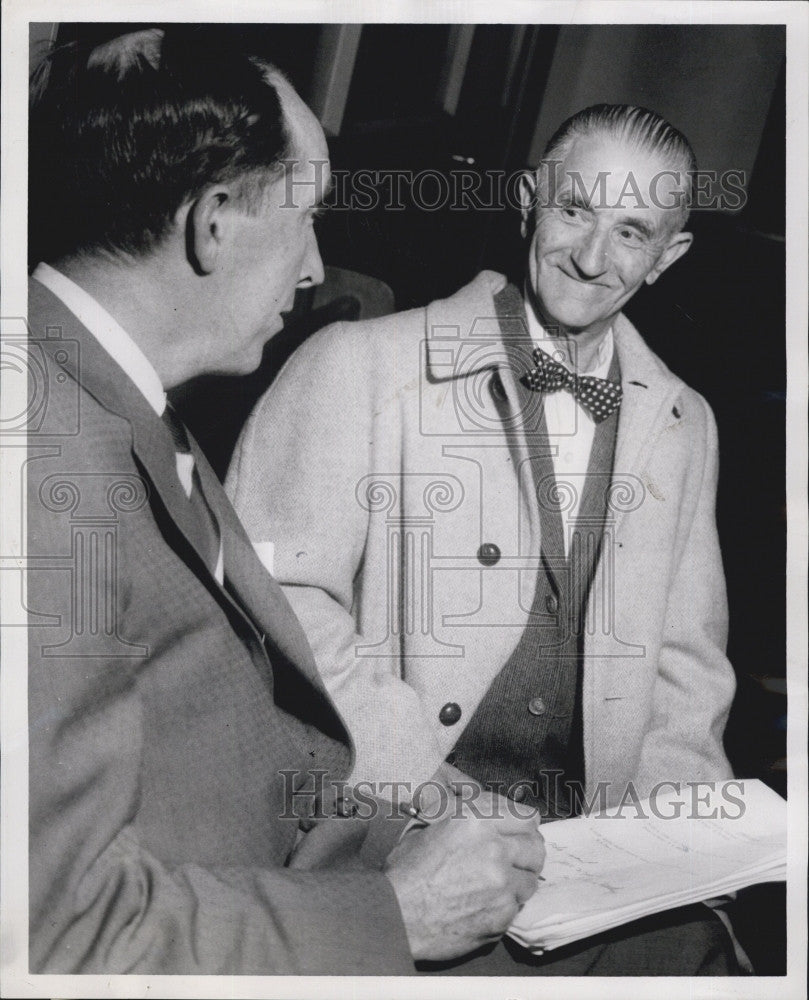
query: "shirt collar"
108, 332
541, 338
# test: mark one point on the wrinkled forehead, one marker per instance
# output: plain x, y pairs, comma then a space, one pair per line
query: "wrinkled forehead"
619, 160
607, 173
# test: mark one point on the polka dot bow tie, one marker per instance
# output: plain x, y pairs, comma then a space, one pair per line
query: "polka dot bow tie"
598, 396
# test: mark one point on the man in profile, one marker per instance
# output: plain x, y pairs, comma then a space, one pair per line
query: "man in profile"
177, 721
495, 520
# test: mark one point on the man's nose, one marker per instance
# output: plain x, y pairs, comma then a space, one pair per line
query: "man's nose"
312, 272
591, 254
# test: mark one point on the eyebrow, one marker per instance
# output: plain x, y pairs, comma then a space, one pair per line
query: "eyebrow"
574, 199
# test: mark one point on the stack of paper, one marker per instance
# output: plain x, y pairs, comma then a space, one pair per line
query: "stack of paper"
606, 869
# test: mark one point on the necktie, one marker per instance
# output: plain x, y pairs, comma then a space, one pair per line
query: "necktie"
600, 397
207, 529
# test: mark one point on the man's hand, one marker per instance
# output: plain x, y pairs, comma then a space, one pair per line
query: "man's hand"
460, 882
436, 798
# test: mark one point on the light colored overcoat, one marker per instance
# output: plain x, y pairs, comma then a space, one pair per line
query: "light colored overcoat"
388, 452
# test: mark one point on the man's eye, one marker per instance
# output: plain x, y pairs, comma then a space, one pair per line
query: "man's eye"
572, 213
630, 237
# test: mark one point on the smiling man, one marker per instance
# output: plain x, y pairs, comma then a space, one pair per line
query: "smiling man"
610, 201
501, 538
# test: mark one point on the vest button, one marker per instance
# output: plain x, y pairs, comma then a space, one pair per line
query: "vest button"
552, 604
488, 554
536, 706
449, 714
518, 794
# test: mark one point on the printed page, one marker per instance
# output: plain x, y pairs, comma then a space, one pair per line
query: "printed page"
611, 867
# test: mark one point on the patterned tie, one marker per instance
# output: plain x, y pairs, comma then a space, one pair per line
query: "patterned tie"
598, 396
205, 521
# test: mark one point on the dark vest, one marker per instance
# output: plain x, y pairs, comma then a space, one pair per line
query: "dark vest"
525, 737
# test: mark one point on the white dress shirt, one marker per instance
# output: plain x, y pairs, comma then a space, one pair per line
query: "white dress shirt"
125, 353
570, 428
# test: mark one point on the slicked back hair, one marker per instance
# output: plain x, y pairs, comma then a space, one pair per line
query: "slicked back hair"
645, 129
124, 133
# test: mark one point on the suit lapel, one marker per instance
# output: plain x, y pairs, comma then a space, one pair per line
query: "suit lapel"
99, 375
293, 674
247, 579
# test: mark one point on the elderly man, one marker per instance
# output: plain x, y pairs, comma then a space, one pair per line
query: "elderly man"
177, 722
495, 516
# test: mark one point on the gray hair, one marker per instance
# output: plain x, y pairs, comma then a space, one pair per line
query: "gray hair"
628, 123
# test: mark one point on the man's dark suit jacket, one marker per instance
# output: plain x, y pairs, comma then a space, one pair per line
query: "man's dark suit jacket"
162, 707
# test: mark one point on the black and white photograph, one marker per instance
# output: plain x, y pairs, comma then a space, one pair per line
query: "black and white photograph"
404, 490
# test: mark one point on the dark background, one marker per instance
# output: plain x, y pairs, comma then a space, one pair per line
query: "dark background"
487, 97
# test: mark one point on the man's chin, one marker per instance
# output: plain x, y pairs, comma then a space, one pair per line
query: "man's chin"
575, 319
267, 334
250, 360
252, 355
570, 321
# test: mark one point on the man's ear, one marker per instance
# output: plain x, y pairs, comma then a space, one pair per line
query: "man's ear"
676, 247
528, 201
207, 228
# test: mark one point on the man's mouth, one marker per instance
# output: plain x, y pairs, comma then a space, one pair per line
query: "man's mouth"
587, 282
593, 283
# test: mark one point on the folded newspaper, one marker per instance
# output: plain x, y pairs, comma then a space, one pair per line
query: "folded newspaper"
688, 843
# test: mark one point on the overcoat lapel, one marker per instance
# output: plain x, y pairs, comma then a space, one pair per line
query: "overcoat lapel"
650, 389
649, 392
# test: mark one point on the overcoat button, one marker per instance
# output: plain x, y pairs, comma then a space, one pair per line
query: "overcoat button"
536, 706
552, 604
518, 794
488, 554
449, 714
